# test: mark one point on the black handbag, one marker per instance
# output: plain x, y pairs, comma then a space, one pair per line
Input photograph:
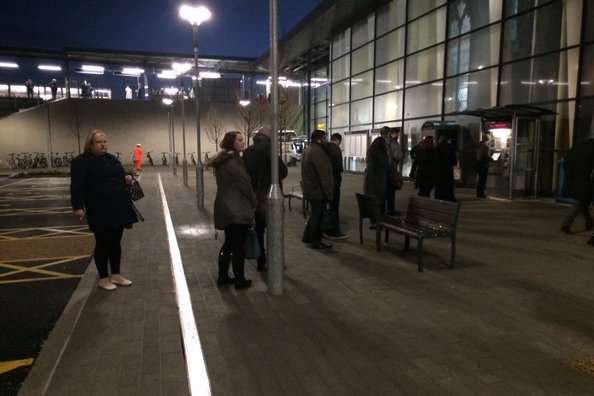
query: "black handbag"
252, 245
135, 189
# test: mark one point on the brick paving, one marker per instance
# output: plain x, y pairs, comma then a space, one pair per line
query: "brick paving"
510, 319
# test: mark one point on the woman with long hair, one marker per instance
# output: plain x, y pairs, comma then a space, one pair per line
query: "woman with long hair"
235, 204
99, 193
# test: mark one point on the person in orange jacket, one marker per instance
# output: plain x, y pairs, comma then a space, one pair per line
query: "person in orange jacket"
138, 158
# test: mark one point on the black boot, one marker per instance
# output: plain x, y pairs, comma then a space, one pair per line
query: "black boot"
262, 263
238, 266
224, 261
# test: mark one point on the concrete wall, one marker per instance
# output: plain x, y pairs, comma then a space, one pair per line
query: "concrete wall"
125, 122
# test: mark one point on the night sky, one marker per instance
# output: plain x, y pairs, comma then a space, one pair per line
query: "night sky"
238, 27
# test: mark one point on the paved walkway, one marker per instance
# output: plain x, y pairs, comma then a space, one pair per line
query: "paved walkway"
511, 319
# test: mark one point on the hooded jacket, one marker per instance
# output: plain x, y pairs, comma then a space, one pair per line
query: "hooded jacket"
235, 201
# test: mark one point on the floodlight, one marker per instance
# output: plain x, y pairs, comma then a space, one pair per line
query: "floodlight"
9, 65
53, 68
208, 74
194, 15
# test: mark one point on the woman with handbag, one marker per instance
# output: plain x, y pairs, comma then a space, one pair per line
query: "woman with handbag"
99, 192
234, 208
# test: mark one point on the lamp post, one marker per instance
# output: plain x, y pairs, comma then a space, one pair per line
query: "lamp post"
180, 69
195, 16
275, 219
169, 103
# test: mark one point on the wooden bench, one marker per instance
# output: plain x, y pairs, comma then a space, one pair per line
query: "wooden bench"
297, 193
425, 219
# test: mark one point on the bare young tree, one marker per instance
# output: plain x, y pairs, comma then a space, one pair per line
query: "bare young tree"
214, 126
251, 118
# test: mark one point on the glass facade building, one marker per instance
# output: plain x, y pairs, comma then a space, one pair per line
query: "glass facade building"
431, 60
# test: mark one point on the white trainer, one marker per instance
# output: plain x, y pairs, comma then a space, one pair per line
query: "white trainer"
120, 280
106, 284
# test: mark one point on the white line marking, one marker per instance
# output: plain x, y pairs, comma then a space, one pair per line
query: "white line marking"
198, 381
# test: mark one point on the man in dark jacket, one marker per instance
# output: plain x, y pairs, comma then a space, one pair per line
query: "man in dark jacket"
318, 187
445, 160
579, 165
395, 155
426, 163
335, 154
258, 164
377, 170
482, 166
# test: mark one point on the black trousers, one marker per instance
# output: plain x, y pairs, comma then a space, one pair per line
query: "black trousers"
313, 229
335, 210
425, 190
260, 227
482, 182
108, 249
577, 208
391, 197
233, 251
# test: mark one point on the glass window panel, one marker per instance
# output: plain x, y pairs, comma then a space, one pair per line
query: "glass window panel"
419, 7
513, 7
546, 78
390, 47
589, 28
467, 15
587, 83
320, 124
341, 43
389, 77
423, 101
363, 31
340, 115
585, 119
426, 31
361, 112
340, 92
361, 85
474, 51
320, 93
388, 107
341, 68
320, 109
391, 16
471, 91
363, 59
321, 73
542, 30
425, 66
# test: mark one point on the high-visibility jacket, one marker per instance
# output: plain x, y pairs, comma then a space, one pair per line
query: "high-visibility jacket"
137, 154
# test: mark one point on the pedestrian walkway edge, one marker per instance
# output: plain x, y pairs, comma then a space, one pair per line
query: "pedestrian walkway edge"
39, 379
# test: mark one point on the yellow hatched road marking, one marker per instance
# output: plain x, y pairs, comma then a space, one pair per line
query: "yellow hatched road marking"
50, 232
35, 211
25, 280
14, 364
37, 269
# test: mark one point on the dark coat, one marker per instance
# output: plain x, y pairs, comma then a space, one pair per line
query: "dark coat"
258, 164
235, 201
335, 155
579, 165
445, 160
316, 174
98, 186
426, 159
377, 170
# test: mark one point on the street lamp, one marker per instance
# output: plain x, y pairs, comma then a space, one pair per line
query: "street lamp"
195, 16
169, 103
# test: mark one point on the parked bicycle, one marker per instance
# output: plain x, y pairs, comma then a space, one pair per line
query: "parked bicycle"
192, 159
164, 158
150, 158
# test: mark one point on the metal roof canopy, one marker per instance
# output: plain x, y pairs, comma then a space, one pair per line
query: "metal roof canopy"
225, 64
508, 112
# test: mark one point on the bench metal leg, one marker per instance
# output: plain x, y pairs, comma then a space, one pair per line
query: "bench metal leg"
406, 242
453, 258
303, 207
420, 254
378, 237
387, 237
290, 203
360, 231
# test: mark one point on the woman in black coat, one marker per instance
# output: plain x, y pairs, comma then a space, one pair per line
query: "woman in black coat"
99, 192
378, 166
